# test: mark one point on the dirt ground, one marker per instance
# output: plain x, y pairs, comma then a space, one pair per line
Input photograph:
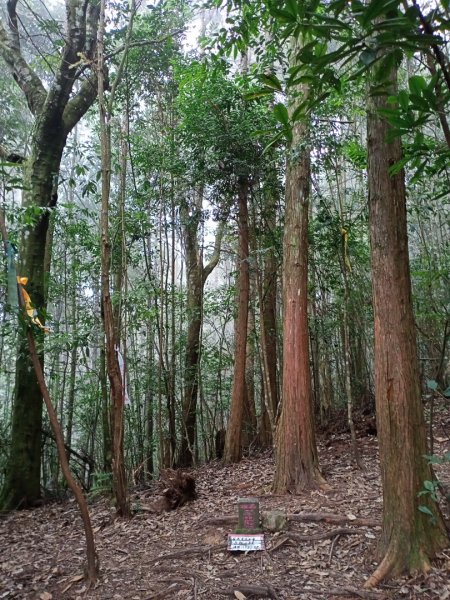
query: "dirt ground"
182, 554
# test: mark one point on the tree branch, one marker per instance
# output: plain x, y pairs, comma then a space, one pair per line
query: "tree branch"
212, 264
25, 77
140, 43
77, 106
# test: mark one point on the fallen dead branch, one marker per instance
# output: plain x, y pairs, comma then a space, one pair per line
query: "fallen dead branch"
300, 537
302, 518
257, 591
332, 518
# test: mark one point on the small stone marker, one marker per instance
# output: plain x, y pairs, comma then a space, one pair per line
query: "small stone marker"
248, 536
248, 511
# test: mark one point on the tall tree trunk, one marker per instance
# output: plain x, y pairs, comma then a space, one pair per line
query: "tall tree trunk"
111, 348
409, 538
56, 112
268, 327
233, 449
249, 422
197, 275
297, 465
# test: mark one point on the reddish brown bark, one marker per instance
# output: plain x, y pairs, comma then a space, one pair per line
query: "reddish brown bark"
268, 307
409, 538
297, 465
232, 452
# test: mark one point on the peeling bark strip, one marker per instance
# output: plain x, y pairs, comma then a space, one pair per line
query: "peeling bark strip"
56, 112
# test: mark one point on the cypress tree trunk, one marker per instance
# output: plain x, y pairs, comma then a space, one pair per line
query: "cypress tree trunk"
409, 538
233, 449
297, 465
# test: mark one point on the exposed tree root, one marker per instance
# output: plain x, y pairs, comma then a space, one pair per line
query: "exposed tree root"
323, 535
390, 565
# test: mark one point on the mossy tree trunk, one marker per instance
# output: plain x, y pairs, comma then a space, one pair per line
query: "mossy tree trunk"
197, 274
56, 110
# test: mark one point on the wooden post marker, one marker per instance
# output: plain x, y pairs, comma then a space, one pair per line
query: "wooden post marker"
248, 536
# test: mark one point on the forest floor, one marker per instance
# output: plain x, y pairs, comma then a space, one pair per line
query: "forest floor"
182, 554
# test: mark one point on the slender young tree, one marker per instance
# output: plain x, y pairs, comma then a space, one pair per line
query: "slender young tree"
109, 323
409, 537
57, 107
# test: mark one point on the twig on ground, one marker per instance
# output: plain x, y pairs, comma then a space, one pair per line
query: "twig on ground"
333, 544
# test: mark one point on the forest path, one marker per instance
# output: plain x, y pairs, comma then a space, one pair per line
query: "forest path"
42, 551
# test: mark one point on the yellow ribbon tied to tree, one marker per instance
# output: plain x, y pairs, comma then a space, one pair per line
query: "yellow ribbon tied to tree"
31, 312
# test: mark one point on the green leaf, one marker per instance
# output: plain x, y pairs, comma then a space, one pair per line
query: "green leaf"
274, 141
258, 94
271, 81
282, 15
398, 166
429, 486
446, 392
292, 7
417, 84
281, 113
377, 8
403, 99
426, 510
432, 384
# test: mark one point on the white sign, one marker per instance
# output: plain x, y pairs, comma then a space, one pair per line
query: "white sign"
246, 542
